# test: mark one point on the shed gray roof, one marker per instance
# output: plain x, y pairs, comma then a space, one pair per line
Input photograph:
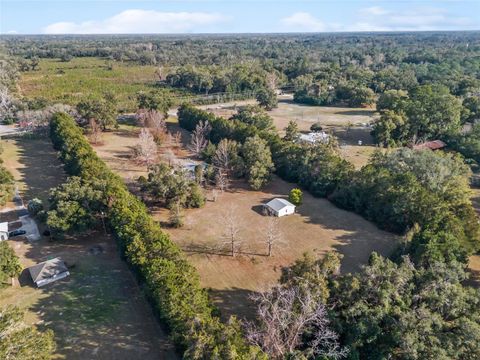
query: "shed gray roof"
278, 204
47, 269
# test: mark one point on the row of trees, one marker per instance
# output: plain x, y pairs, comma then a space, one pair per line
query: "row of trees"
170, 281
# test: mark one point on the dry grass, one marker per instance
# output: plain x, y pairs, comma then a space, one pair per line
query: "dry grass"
318, 227
99, 311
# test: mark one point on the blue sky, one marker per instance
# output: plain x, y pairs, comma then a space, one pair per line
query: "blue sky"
240, 16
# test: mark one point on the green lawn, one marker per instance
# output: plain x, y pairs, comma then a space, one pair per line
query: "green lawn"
68, 82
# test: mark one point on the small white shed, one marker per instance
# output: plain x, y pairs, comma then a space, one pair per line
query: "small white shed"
279, 207
3, 231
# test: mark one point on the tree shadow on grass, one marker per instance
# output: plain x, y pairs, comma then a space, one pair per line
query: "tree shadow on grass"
357, 237
39, 167
98, 311
234, 301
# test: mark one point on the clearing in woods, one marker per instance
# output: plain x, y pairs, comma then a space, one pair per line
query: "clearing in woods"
350, 125
98, 312
318, 227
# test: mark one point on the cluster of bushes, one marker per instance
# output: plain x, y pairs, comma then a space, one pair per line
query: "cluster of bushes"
426, 112
322, 94
170, 281
172, 186
468, 145
422, 191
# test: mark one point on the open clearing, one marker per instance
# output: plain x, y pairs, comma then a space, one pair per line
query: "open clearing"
318, 227
69, 82
98, 312
350, 125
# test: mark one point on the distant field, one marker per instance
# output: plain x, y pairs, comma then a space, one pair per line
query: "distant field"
68, 82
349, 125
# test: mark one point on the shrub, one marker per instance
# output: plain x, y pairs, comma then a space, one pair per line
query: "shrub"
296, 196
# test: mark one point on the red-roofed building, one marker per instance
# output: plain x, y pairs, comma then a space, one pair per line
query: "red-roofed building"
432, 145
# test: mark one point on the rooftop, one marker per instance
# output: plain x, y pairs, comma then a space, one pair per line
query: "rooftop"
47, 269
432, 145
277, 204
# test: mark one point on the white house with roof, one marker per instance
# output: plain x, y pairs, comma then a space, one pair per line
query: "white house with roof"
314, 137
3, 231
279, 207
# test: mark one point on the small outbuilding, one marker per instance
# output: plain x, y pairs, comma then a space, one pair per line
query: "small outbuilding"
314, 138
48, 271
279, 207
3, 231
432, 145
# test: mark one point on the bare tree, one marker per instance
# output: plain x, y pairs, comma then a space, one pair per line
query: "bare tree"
285, 316
271, 80
222, 159
170, 157
232, 229
146, 150
95, 131
154, 121
7, 103
273, 234
198, 140
221, 180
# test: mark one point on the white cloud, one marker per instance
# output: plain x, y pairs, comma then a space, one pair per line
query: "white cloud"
426, 18
303, 21
377, 18
373, 10
141, 22
12, 32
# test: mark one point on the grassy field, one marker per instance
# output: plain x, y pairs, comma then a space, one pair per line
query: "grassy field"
318, 227
349, 125
69, 82
99, 312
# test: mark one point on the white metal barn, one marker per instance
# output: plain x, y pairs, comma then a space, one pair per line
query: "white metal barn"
3, 231
48, 271
279, 207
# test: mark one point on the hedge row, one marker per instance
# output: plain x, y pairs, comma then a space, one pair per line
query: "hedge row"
171, 283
